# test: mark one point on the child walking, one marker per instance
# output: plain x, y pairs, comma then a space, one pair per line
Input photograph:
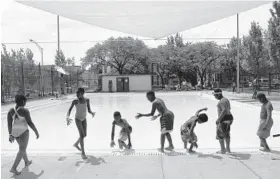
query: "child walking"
266, 121
18, 121
125, 132
187, 129
82, 105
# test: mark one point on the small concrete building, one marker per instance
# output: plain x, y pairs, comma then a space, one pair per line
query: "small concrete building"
126, 83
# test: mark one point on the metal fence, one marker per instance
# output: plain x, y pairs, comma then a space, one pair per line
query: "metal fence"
36, 81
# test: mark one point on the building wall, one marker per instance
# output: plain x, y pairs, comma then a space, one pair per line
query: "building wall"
136, 82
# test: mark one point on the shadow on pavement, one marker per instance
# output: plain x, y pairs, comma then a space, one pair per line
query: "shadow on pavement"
240, 156
26, 174
125, 152
91, 160
201, 155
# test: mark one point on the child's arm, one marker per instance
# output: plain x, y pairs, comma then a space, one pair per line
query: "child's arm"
199, 111
71, 107
30, 123
128, 134
113, 135
147, 115
89, 110
269, 114
10, 125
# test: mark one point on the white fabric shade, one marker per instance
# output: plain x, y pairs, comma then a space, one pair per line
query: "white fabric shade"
61, 70
154, 19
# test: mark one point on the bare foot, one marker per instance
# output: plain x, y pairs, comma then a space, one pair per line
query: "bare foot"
15, 172
77, 147
170, 148
221, 152
84, 157
191, 152
228, 151
28, 163
161, 150
265, 149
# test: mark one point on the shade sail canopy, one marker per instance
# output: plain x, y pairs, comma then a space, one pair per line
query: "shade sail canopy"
154, 19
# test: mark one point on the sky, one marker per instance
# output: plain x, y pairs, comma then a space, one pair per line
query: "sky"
20, 23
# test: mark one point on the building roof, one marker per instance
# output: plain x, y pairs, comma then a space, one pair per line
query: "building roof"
154, 19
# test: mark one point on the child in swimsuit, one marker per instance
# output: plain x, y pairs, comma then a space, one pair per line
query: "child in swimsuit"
166, 119
187, 129
125, 132
18, 121
82, 107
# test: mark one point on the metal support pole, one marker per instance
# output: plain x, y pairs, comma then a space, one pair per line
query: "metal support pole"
238, 57
58, 36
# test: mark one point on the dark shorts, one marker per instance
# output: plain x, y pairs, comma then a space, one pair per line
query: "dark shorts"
166, 122
223, 128
82, 127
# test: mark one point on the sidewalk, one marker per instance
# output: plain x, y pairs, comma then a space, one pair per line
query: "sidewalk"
149, 166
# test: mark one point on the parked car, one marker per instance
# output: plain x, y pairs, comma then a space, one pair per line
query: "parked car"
275, 83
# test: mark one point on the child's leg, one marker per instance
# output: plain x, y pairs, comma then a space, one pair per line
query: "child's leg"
22, 142
185, 145
265, 145
228, 144
168, 136
222, 144
162, 141
81, 125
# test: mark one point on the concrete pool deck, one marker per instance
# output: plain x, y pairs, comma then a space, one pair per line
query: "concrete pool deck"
148, 165
48, 162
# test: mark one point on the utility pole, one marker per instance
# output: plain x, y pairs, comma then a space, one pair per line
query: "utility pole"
238, 58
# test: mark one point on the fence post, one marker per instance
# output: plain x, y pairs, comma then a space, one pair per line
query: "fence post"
52, 79
269, 80
39, 79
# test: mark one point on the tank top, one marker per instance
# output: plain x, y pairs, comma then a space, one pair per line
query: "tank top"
81, 111
20, 125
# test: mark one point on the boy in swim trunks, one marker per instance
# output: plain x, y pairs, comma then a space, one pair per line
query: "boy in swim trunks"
82, 107
166, 119
125, 132
223, 122
266, 121
187, 128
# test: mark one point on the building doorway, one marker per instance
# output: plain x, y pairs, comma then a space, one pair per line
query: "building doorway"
122, 84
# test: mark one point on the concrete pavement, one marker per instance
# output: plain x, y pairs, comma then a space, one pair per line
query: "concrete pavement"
149, 165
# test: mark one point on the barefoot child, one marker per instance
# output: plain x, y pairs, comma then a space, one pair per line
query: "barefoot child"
125, 132
266, 122
166, 119
187, 128
223, 122
18, 121
82, 107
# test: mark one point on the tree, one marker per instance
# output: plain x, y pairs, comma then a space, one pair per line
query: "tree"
203, 55
70, 61
274, 36
124, 54
60, 59
256, 56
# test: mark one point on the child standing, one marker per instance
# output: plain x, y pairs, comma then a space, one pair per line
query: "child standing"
187, 129
266, 122
82, 105
125, 132
223, 122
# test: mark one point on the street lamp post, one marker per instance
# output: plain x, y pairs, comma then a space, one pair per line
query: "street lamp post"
42, 60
